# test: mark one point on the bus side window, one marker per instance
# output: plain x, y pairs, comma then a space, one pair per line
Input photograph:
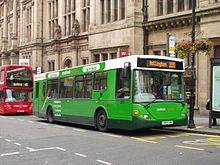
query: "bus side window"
100, 81
1, 96
37, 90
44, 89
52, 89
122, 86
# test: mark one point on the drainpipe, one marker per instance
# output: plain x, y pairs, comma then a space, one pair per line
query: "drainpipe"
145, 30
42, 33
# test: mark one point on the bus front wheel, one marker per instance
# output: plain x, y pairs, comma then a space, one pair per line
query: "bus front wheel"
50, 115
101, 121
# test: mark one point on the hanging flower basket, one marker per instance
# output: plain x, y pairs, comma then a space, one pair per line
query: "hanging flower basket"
185, 48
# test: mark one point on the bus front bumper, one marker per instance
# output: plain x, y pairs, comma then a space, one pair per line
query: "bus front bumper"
137, 123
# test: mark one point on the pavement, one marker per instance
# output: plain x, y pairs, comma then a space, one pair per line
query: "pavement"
201, 126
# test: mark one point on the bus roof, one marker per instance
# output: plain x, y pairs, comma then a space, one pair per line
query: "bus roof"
114, 64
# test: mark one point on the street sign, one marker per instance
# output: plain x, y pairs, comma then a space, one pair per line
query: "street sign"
171, 46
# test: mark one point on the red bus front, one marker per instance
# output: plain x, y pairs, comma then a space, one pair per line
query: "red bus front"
16, 86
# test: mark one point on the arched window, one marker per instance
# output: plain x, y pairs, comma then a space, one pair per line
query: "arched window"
68, 63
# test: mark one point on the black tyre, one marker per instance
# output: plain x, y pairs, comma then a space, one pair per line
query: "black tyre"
101, 121
50, 115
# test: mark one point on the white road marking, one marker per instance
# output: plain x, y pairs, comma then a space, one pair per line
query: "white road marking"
57, 126
30, 149
12, 153
30, 121
3, 116
18, 144
11, 118
104, 162
78, 154
7, 140
43, 149
20, 119
44, 124
79, 130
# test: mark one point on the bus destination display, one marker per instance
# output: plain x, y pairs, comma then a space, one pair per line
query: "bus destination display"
159, 63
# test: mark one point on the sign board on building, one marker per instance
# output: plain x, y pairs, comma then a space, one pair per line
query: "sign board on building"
24, 62
123, 53
171, 46
38, 70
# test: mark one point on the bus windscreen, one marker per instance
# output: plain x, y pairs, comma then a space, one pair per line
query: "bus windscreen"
19, 77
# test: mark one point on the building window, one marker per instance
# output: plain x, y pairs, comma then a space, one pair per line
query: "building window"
181, 5
157, 52
53, 17
159, 7
102, 12
84, 61
113, 55
217, 51
104, 56
190, 4
69, 16
86, 15
122, 9
169, 6
109, 10
51, 65
115, 10
96, 57
28, 27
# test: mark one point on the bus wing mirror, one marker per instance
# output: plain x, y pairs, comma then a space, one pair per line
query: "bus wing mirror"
126, 70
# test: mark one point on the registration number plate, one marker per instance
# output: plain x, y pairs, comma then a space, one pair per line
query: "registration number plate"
167, 122
20, 111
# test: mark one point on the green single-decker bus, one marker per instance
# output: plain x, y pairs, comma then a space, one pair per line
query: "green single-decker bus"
133, 92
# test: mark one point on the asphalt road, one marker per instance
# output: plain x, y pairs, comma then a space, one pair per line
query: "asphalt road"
28, 140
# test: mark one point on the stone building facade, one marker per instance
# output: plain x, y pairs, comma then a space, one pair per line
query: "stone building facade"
55, 34
175, 17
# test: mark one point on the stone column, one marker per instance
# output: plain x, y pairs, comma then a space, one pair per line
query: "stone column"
13, 58
5, 29
4, 59
15, 26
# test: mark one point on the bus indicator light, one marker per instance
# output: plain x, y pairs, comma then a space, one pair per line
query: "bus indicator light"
136, 112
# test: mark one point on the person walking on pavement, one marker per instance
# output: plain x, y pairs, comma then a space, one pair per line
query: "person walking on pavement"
214, 122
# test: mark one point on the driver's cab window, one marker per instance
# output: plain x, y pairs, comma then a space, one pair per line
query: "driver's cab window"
122, 86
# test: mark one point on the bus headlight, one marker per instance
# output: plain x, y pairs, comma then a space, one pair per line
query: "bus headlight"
183, 114
145, 116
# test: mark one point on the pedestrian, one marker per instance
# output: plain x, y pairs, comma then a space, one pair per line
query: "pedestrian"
208, 107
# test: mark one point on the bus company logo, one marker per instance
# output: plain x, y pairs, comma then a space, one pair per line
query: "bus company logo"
54, 74
40, 77
66, 72
161, 109
91, 68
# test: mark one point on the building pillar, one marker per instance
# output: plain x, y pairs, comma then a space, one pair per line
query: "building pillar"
5, 29
15, 26
4, 59
13, 58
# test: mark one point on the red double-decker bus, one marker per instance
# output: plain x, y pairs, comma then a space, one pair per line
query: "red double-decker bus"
16, 86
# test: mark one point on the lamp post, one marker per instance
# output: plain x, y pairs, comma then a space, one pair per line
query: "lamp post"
191, 123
